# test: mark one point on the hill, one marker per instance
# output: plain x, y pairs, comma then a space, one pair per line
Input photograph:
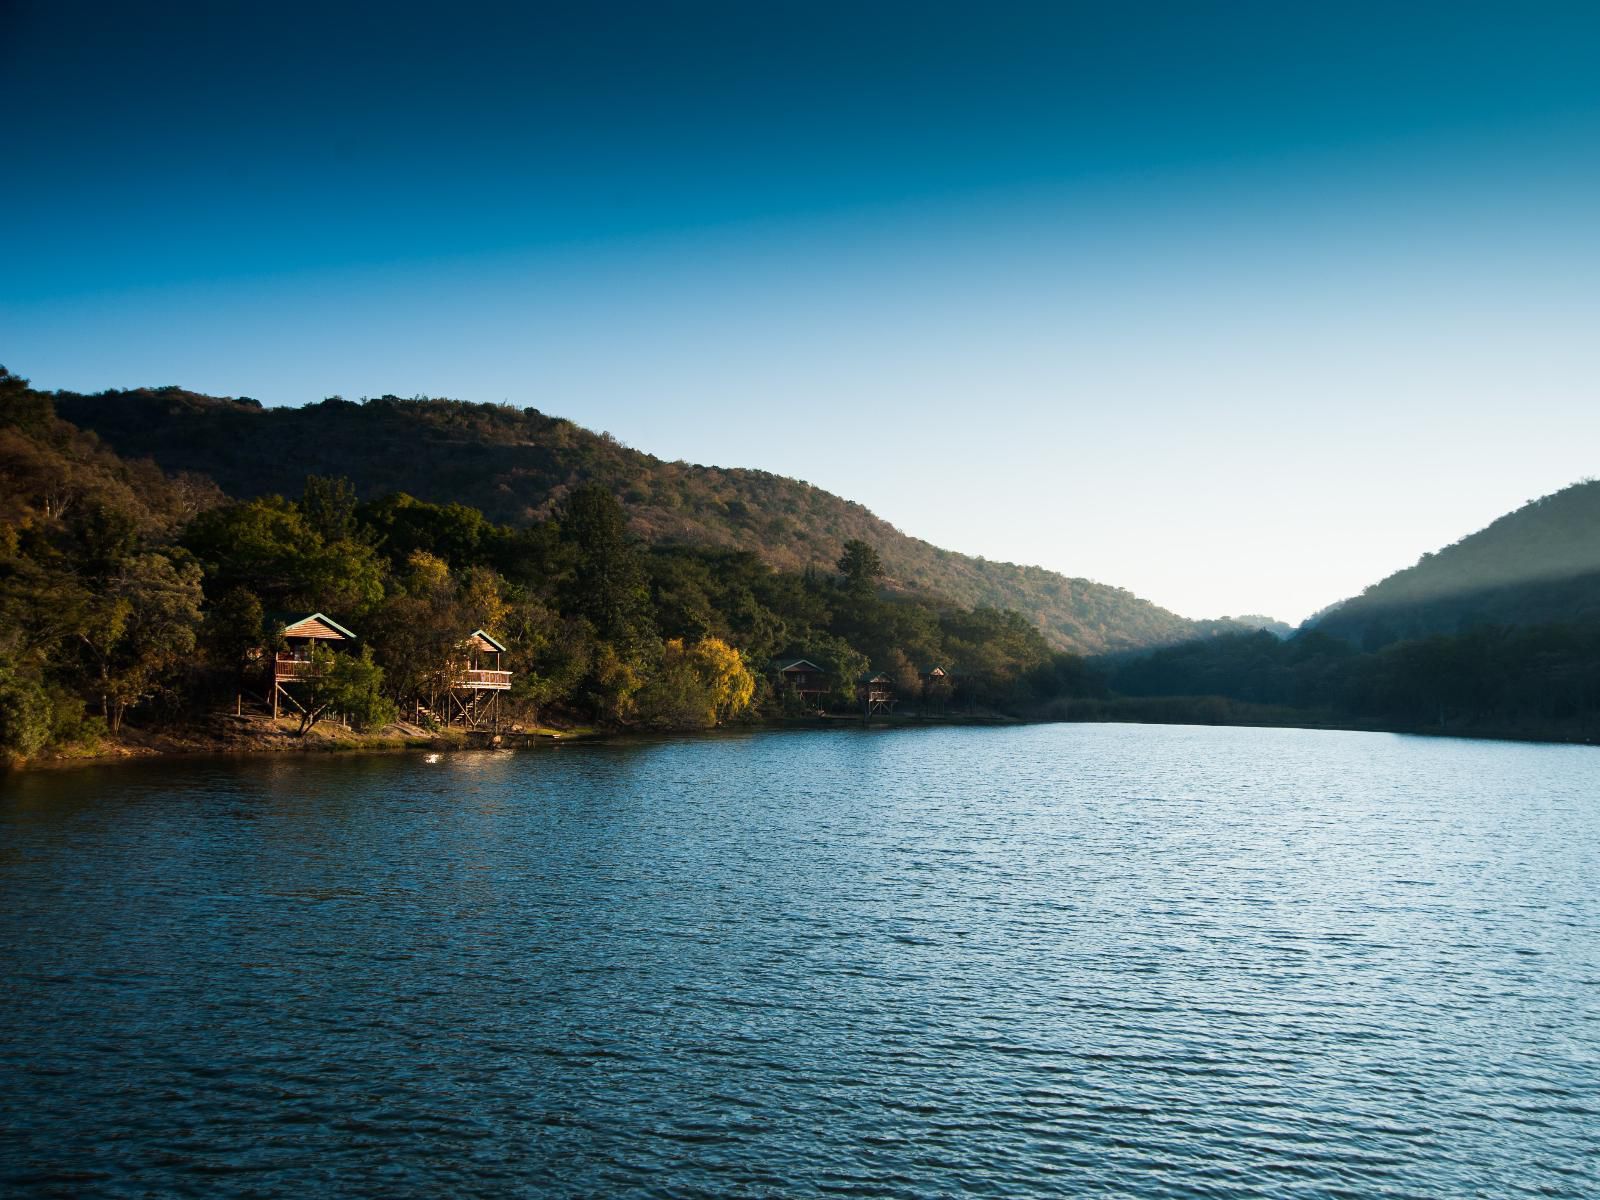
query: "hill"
1497, 635
1535, 566
517, 465
127, 592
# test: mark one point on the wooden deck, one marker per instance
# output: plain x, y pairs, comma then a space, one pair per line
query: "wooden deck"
495, 680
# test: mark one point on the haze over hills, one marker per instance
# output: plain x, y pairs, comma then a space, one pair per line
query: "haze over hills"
1496, 635
1537, 565
516, 465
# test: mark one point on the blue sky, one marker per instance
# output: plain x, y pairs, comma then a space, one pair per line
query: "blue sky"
1240, 307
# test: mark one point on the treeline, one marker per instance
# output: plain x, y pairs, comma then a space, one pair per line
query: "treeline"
516, 464
127, 594
1528, 681
1498, 633
1539, 565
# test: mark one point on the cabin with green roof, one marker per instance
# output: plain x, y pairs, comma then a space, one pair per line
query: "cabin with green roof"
479, 679
291, 664
876, 692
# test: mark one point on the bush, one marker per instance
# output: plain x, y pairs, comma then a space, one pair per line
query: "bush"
25, 713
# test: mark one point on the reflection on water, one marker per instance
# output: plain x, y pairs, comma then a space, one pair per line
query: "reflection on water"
1063, 960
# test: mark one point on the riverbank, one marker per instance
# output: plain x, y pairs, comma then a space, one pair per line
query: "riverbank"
1223, 712
250, 734
227, 733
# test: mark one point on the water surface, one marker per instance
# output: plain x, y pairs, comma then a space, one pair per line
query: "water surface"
1131, 961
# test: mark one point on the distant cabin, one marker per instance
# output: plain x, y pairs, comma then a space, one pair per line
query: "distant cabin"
804, 676
875, 690
483, 663
476, 686
291, 664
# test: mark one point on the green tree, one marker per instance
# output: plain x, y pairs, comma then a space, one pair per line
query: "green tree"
608, 586
329, 507
235, 627
613, 684
24, 715
907, 679
861, 567
551, 655
143, 631
22, 407
350, 685
419, 629
267, 546
402, 525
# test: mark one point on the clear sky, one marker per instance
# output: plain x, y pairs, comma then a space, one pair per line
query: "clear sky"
1239, 306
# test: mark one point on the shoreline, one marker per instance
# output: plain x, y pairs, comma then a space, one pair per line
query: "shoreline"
231, 736
228, 735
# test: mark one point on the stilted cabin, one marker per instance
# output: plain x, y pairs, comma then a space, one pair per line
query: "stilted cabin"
876, 693
475, 689
937, 684
804, 676
291, 662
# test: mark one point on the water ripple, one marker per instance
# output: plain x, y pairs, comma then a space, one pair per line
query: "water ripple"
1110, 961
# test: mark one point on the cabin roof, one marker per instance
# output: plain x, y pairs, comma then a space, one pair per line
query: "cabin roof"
934, 671
790, 664
490, 641
875, 677
313, 625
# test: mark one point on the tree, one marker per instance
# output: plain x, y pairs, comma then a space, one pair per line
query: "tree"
861, 567
234, 628
348, 684
677, 697
144, 629
608, 585
22, 407
612, 684
329, 507
482, 594
402, 525
268, 546
24, 715
696, 686
419, 629
907, 679
729, 681
551, 655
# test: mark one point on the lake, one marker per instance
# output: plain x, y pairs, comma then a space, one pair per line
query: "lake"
1062, 960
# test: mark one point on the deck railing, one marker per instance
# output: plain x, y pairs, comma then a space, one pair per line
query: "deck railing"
498, 680
284, 667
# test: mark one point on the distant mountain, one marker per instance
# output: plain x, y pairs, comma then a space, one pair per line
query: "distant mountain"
1537, 565
1251, 623
517, 464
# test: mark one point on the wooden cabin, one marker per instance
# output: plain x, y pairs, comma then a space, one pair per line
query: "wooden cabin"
804, 677
876, 692
476, 686
937, 685
291, 662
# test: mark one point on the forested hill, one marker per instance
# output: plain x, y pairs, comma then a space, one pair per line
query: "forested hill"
1537, 565
517, 465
